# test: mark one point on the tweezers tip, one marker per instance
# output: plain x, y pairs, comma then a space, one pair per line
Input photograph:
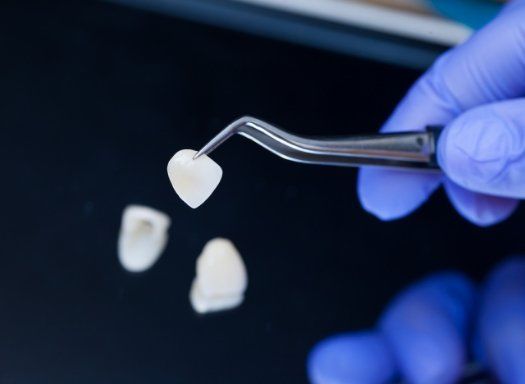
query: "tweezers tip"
200, 153
221, 137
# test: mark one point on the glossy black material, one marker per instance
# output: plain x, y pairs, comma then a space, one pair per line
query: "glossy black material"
94, 100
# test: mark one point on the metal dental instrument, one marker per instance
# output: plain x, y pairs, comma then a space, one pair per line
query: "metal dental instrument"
400, 150
410, 150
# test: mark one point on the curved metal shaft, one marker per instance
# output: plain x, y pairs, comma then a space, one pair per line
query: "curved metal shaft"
401, 150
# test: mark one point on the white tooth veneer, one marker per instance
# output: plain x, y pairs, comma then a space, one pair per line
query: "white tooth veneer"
143, 237
193, 180
221, 278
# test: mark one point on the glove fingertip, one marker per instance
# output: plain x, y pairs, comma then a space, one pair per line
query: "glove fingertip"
426, 328
482, 150
480, 209
360, 358
513, 267
501, 321
390, 194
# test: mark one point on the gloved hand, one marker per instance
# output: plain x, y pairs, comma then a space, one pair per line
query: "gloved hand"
424, 335
476, 91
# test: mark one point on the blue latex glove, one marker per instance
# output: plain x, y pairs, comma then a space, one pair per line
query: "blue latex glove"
476, 91
424, 334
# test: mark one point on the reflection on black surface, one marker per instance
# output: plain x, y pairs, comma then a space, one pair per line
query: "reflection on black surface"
94, 101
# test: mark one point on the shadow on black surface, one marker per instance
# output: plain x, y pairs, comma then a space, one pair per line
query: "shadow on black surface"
94, 101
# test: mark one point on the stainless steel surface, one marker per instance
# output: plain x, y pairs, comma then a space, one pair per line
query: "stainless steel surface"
399, 150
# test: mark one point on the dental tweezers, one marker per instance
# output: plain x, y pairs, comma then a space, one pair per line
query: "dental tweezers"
411, 150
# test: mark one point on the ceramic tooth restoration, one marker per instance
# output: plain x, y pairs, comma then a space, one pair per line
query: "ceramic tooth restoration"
143, 237
221, 278
194, 180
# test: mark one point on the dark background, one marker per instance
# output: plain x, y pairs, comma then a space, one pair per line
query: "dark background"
94, 100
